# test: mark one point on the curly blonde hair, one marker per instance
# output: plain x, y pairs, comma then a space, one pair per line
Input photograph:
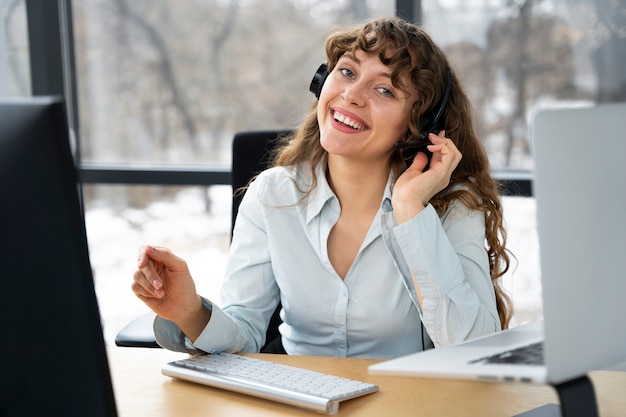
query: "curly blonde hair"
407, 49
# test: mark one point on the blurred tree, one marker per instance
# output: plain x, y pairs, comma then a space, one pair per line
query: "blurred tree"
532, 54
609, 55
164, 65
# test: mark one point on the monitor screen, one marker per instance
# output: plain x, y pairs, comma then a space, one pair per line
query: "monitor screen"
53, 352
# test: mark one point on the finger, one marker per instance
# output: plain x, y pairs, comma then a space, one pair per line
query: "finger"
149, 266
140, 292
438, 144
145, 280
165, 257
440, 141
156, 253
443, 145
438, 138
149, 269
143, 257
146, 286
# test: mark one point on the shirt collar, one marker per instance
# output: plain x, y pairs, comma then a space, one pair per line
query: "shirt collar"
323, 193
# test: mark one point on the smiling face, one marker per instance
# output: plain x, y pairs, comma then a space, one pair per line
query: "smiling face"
361, 114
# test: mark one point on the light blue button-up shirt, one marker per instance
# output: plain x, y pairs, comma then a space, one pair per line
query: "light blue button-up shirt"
279, 254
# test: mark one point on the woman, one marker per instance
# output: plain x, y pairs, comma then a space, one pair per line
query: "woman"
369, 258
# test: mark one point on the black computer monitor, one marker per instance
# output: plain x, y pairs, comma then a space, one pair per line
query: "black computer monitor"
53, 354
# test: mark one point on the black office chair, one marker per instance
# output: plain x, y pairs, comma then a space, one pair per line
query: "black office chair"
251, 152
250, 155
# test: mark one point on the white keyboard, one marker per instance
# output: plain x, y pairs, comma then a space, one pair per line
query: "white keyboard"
286, 384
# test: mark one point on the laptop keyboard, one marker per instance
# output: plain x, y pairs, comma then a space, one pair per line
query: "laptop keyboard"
273, 381
526, 355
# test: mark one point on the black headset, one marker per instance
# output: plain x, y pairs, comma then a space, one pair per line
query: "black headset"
318, 80
431, 122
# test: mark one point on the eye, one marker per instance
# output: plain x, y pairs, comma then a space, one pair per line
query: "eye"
385, 92
346, 72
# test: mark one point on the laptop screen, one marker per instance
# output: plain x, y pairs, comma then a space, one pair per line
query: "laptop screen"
53, 354
580, 181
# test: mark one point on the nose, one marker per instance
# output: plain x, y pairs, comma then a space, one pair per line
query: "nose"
355, 94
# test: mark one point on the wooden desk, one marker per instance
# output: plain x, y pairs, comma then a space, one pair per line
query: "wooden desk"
141, 390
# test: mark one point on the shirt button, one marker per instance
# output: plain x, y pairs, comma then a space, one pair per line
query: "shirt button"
340, 331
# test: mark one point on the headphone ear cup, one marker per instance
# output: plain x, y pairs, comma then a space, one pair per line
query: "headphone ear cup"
318, 80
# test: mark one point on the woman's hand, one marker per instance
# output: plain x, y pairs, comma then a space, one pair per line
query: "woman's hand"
415, 187
164, 283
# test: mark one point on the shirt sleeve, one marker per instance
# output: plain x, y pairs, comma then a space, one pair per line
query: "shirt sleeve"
221, 334
169, 336
447, 259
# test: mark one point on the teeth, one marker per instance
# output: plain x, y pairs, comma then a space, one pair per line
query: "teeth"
347, 121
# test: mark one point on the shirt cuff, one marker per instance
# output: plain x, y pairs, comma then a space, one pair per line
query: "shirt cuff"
220, 334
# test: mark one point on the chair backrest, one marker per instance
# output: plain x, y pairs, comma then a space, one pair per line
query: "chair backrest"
251, 155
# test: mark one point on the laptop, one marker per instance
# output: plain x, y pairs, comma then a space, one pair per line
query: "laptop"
54, 360
580, 189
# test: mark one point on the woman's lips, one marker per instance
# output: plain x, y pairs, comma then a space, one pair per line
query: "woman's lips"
347, 121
